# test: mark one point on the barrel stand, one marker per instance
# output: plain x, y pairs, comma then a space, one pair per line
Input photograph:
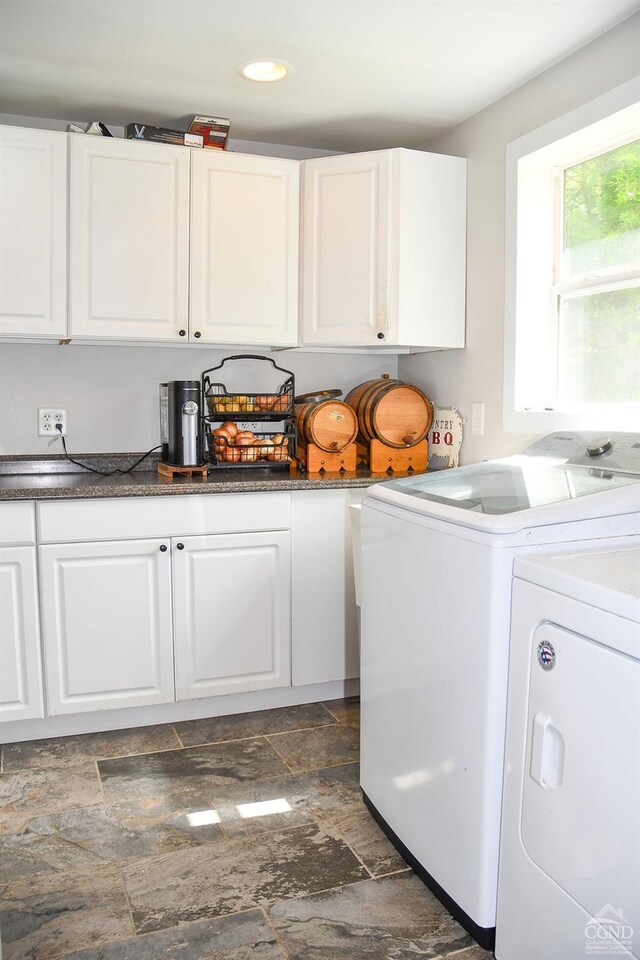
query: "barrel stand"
314, 460
381, 458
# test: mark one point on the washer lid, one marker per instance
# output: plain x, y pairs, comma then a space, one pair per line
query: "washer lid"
607, 579
503, 496
554, 480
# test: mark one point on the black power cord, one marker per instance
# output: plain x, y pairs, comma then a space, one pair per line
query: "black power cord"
103, 473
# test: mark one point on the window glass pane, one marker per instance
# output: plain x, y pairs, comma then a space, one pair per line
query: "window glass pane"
599, 347
602, 211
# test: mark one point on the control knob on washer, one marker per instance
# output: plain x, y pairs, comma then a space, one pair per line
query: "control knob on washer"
600, 446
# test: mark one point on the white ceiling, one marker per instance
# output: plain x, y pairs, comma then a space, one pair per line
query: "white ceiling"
368, 73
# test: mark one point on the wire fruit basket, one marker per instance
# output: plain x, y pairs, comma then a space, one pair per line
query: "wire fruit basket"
249, 428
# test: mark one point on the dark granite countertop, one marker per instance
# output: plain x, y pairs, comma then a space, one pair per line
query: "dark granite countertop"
51, 478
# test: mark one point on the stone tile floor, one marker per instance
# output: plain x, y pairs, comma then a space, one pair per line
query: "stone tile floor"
223, 839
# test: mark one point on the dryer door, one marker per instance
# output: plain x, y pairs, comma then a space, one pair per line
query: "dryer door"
580, 806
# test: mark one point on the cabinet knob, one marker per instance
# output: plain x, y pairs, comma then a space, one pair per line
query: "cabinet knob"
182, 333
180, 546
197, 334
380, 336
163, 548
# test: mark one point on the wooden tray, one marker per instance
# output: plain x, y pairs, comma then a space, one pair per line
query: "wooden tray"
169, 470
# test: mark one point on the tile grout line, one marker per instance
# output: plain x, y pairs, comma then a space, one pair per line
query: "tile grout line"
128, 901
329, 766
273, 747
178, 737
102, 794
88, 758
255, 736
275, 933
343, 723
393, 873
69, 763
336, 829
318, 893
133, 861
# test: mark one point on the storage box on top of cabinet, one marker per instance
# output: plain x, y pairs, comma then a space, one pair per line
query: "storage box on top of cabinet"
384, 250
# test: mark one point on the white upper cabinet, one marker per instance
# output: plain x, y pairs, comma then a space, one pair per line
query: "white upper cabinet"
244, 249
33, 233
129, 256
383, 250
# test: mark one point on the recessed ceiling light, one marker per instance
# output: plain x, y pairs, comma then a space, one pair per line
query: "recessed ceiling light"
265, 71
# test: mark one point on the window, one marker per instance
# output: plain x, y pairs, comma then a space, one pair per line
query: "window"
572, 355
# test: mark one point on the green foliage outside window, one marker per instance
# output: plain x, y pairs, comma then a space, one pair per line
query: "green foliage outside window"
599, 330
602, 210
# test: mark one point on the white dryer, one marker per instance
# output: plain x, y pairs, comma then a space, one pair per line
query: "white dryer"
569, 879
437, 566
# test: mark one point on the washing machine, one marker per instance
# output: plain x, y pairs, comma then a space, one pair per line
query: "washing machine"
436, 570
569, 877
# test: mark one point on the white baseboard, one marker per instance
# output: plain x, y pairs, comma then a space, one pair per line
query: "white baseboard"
13, 732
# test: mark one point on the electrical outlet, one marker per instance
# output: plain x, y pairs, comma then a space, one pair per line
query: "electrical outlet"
48, 417
477, 419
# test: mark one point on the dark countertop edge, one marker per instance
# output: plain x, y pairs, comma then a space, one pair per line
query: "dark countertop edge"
204, 488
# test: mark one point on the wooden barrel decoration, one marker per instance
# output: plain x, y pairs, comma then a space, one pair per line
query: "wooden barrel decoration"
391, 411
330, 424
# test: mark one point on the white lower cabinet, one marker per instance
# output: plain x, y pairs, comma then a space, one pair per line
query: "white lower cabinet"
325, 615
266, 603
20, 670
232, 611
106, 614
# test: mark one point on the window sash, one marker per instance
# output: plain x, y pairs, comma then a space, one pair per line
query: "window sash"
563, 279
533, 282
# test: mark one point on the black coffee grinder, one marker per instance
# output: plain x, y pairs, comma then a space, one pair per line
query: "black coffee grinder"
181, 423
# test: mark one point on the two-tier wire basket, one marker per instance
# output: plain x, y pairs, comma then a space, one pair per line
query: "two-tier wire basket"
249, 428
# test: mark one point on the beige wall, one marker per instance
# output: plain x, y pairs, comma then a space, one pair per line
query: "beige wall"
475, 374
111, 393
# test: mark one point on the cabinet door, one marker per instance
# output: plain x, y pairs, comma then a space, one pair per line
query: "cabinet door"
20, 669
244, 249
232, 613
33, 233
129, 239
324, 641
106, 614
345, 249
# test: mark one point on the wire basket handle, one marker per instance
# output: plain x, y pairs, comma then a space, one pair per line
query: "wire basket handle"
206, 380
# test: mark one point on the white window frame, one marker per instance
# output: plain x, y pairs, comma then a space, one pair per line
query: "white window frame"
534, 167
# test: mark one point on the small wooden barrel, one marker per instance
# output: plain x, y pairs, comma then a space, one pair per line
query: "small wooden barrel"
330, 424
391, 411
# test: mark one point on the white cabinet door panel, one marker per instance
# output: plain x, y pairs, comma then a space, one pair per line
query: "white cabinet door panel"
33, 232
244, 249
345, 249
232, 613
324, 640
129, 239
107, 624
20, 667
383, 250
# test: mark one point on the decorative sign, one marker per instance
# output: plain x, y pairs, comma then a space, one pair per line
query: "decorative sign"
445, 438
